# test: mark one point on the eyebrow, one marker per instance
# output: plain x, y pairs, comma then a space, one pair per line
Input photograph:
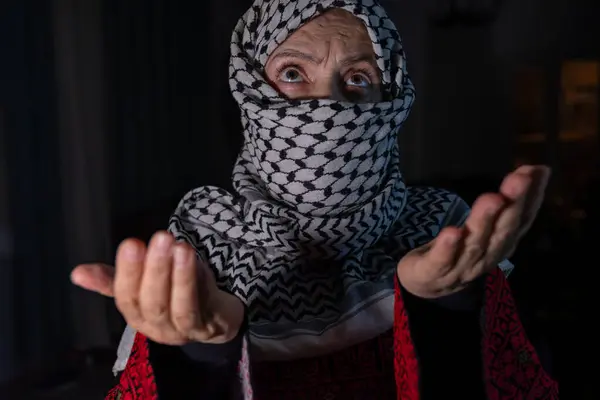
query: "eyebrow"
352, 59
356, 58
298, 54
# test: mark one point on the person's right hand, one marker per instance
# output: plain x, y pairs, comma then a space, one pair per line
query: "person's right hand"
165, 293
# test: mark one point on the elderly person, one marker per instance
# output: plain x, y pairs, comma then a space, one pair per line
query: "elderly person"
323, 276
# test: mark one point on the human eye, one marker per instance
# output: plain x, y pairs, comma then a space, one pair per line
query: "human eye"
362, 85
290, 74
362, 79
358, 80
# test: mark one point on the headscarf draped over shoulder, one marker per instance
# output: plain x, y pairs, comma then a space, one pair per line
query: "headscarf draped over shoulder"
320, 216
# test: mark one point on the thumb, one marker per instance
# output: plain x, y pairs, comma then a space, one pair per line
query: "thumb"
98, 278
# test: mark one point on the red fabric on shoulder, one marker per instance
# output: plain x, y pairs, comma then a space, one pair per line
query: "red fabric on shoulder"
406, 365
512, 367
137, 380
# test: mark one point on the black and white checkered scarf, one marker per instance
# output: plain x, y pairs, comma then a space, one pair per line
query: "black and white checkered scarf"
320, 216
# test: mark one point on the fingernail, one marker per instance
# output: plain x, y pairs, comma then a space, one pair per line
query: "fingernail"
181, 256
516, 189
163, 243
132, 252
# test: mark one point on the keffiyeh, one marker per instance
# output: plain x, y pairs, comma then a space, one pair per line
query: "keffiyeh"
320, 216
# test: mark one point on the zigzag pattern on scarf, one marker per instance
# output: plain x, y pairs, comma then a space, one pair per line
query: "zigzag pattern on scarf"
320, 215
281, 288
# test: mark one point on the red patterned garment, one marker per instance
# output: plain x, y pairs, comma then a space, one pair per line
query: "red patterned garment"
137, 380
512, 369
386, 367
511, 365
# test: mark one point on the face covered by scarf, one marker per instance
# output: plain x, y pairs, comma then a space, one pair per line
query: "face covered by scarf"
321, 215
311, 240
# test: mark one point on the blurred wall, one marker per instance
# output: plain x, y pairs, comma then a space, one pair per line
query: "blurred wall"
6, 262
462, 124
35, 324
85, 168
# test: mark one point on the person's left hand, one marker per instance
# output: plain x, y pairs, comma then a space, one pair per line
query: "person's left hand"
458, 256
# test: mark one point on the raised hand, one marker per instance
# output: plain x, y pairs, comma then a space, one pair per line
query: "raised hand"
165, 293
497, 222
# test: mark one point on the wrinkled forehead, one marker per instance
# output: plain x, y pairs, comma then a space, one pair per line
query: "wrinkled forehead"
269, 23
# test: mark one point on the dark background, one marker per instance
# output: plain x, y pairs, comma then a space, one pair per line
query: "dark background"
110, 110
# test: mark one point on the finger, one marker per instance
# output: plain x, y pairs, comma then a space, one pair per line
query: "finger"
516, 184
155, 293
505, 235
98, 278
478, 230
129, 267
185, 311
441, 257
540, 176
